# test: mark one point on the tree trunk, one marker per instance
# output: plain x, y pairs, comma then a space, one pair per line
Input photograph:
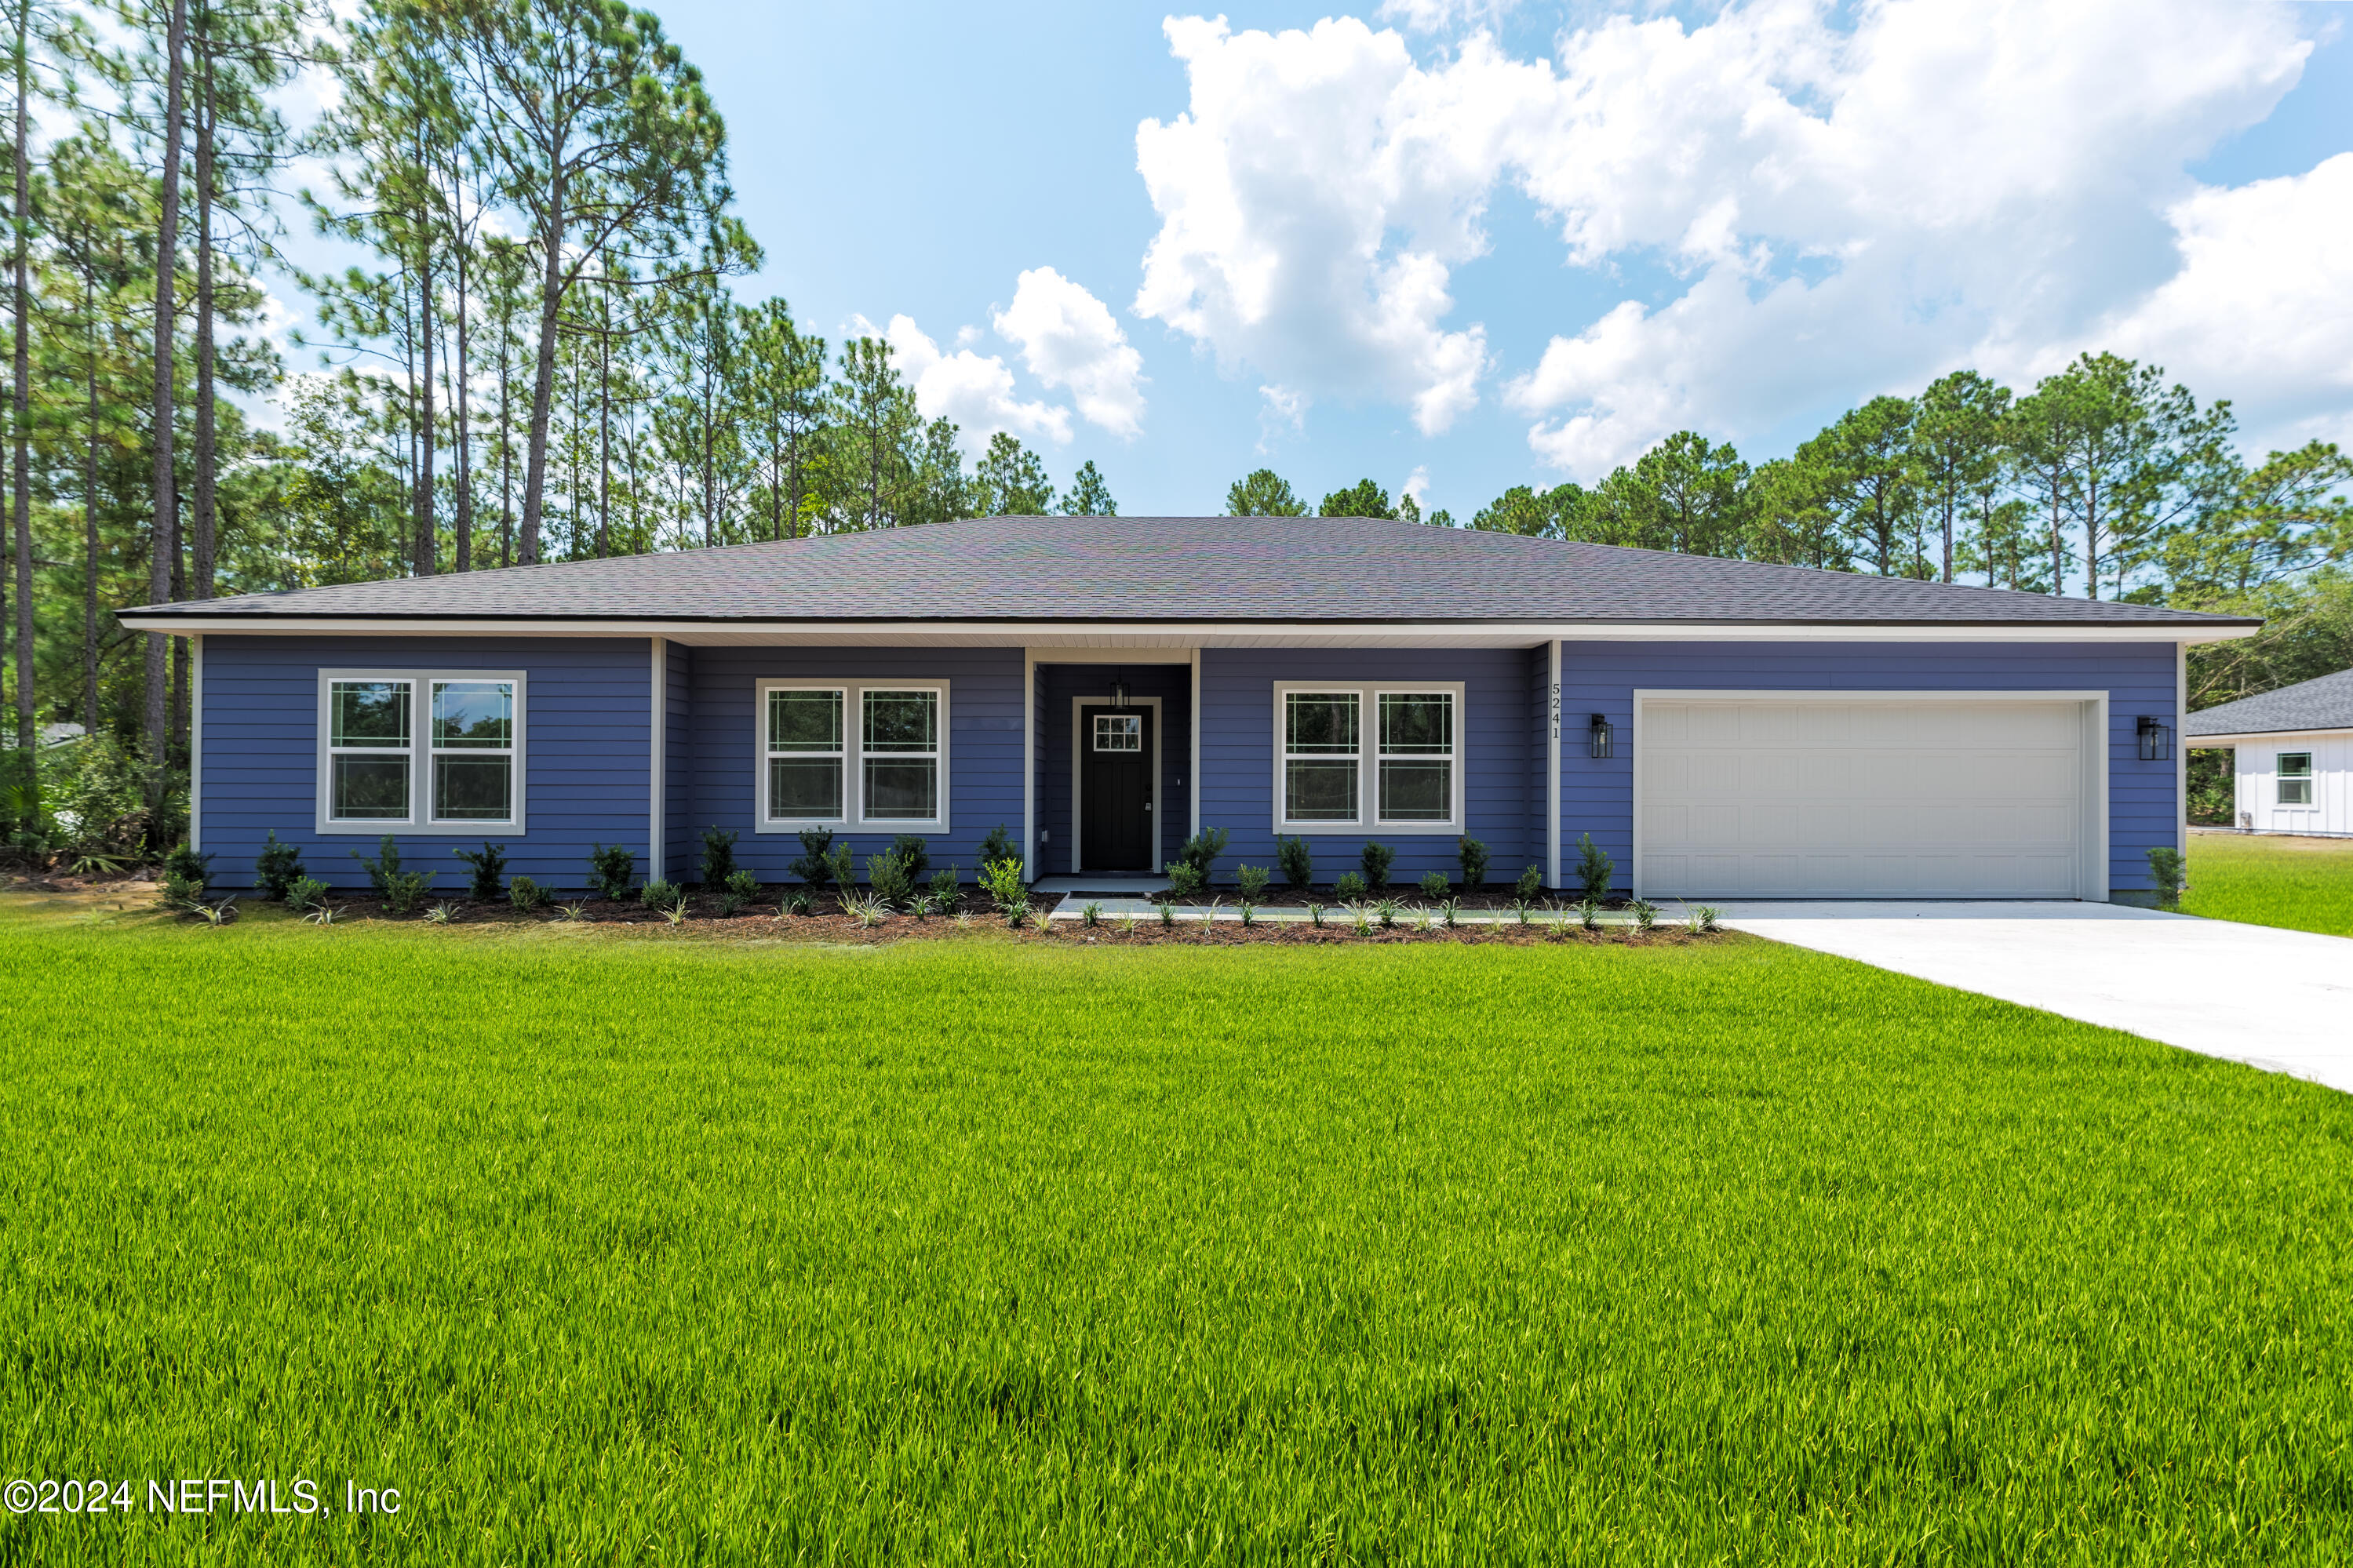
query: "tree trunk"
167, 249
465, 429
428, 543
543, 381
205, 115
506, 453
20, 391
89, 522
604, 425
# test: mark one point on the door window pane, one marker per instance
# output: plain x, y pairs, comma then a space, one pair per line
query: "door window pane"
369, 789
804, 721
898, 790
805, 787
369, 713
1119, 731
473, 789
902, 720
1316, 790
473, 713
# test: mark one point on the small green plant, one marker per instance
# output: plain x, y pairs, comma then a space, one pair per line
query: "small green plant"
489, 864
1249, 913
964, 920
1645, 913
307, 894
1425, 920
866, 909
1167, 907
572, 914
1315, 915
1588, 913
813, 865
837, 870
1252, 881
1360, 917
718, 856
1708, 915
656, 894
1433, 885
1521, 908
380, 870
1388, 908
1042, 922
1593, 869
1350, 888
887, 879
1375, 860
441, 914
403, 890
674, 910
1127, 925
911, 850
1201, 851
326, 914
189, 865
525, 894
1298, 863
945, 889
178, 891
220, 913
799, 902
1450, 909
277, 866
1209, 917
1529, 886
610, 870
997, 846
92, 864
1183, 879
1001, 881
2171, 874
1472, 856
740, 888
1090, 916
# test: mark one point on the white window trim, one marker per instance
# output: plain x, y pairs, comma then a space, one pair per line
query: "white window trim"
2281, 778
853, 760
1367, 821
419, 820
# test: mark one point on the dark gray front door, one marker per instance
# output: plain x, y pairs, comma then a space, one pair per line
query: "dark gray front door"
1115, 789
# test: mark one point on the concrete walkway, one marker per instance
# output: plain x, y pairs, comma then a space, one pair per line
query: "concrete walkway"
2280, 1000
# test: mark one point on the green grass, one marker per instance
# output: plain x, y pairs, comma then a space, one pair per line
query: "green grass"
611, 1246
2304, 884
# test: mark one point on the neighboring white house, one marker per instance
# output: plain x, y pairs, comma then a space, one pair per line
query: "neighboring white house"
2293, 756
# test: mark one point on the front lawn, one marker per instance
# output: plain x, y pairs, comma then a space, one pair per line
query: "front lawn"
607, 1244
2304, 884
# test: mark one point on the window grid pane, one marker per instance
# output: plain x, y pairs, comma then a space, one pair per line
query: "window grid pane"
902, 720
368, 788
1417, 791
1418, 722
903, 789
472, 788
1321, 723
478, 714
1119, 733
803, 786
1319, 789
368, 713
804, 721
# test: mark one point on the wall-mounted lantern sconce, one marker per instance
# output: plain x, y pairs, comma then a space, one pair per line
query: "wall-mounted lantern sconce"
1602, 738
1119, 692
2156, 740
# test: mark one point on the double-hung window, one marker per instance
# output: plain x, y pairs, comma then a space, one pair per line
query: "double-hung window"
419, 751
2294, 778
852, 753
1368, 757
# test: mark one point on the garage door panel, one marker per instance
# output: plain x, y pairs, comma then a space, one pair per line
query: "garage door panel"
1784, 797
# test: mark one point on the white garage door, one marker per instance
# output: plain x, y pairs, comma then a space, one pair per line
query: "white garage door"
1802, 797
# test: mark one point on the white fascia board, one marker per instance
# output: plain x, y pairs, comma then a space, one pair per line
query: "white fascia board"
2262, 737
1124, 637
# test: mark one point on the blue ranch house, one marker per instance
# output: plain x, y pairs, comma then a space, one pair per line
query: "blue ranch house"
1103, 687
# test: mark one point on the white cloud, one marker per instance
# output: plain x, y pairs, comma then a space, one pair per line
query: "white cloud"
1417, 484
1068, 339
976, 391
1838, 200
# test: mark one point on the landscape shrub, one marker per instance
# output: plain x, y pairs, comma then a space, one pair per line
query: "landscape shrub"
911, 852
1472, 857
1530, 886
1001, 881
943, 888
1183, 879
525, 894
1201, 851
740, 888
658, 893
1252, 881
718, 856
404, 890
837, 868
1375, 862
997, 846
91, 799
305, 893
1433, 885
383, 868
188, 865
887, 879
277, 866
1645, 913
814, 864
178, 892
489, 864
610, 869
1298, 862
2166, 869
1350, 888
1593, 869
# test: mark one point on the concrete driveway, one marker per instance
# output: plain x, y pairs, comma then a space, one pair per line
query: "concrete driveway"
2280, 1000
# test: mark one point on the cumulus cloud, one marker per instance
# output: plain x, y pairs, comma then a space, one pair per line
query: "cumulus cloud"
976, 391
1838, 200
1068, 339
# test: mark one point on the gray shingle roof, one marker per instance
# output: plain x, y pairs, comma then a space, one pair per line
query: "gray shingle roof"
2325, 703
1149, 569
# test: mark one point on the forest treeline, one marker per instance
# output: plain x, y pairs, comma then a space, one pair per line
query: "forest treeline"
542, 356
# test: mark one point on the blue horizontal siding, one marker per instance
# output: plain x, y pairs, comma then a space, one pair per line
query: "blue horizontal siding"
984, 742
1057, 684
1237, 761
1597, 797
586, 774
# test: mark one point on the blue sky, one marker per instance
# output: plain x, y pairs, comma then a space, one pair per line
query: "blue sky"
1742, 219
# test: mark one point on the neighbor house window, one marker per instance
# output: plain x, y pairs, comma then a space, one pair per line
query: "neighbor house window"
370, 757
1369, 757
852, 753
2295, 778
423, 751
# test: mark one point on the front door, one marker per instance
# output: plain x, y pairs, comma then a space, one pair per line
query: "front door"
1115, 789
